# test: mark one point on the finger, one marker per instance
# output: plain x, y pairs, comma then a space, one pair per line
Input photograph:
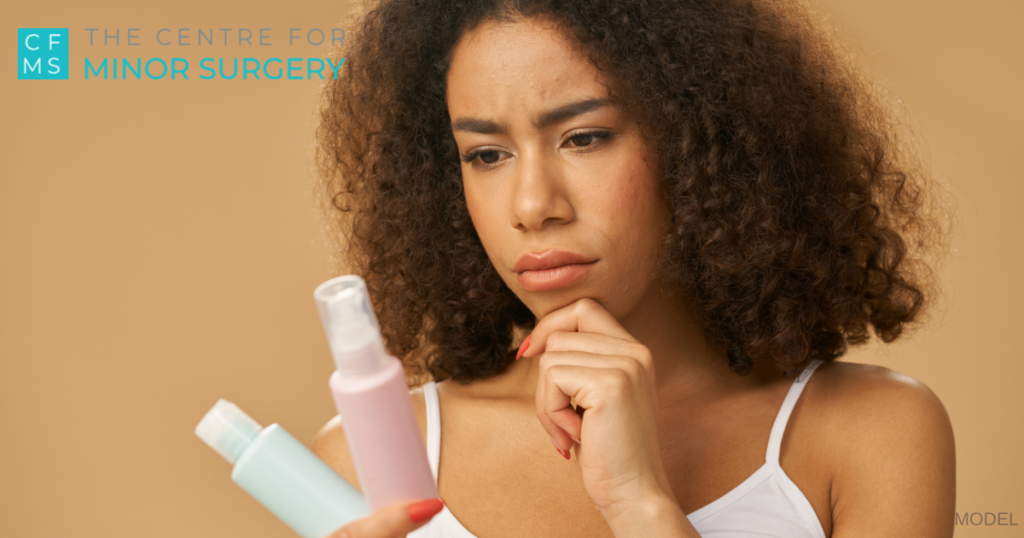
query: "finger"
573, 376
393, 521
579, 440
598, 344
589, 350
585, 315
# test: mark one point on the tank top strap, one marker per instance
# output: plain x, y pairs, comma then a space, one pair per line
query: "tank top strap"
779, 427
433, 426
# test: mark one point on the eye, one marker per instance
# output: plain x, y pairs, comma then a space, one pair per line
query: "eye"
581, 143
587, 141
487, 156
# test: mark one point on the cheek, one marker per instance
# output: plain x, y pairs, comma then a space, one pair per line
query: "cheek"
637, 221
637, 204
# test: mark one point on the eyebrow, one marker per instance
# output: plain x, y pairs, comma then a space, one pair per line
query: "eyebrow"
550, 117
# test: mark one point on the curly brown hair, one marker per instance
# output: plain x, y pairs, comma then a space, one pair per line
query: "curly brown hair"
801, 213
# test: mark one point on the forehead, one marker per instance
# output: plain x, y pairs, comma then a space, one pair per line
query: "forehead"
522, 66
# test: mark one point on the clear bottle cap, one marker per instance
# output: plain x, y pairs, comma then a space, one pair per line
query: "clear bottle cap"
351, 326
227, 430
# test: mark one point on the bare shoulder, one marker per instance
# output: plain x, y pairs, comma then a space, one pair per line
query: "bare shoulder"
330, 444
880, 401
892, 451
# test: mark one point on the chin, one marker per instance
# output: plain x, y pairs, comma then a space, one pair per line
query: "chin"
545, 302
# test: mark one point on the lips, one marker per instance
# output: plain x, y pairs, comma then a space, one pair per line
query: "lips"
551, 269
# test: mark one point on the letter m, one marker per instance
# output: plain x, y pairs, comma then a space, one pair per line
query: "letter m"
95, 71
32, 68
963, 521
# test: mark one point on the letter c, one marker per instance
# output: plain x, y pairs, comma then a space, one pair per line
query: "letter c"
29, 47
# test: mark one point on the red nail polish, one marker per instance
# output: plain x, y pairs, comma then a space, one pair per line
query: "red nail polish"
424, 510
564, 453
524, 346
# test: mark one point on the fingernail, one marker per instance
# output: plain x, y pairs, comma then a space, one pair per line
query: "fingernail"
424, 510
524, 346
564, 453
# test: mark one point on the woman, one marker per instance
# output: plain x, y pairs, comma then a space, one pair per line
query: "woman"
670, 209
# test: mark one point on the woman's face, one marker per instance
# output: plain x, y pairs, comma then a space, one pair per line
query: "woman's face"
549, 166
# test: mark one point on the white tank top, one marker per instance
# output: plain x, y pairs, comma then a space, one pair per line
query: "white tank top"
767, 503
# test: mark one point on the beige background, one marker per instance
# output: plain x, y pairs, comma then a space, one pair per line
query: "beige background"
159, 251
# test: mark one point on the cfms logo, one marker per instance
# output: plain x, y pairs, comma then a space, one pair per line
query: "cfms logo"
42, 53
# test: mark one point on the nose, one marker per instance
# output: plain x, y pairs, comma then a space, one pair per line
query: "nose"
541, 199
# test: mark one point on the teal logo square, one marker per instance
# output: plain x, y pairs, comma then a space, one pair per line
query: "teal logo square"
42, 53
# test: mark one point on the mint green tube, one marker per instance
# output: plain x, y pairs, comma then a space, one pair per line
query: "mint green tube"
281, 473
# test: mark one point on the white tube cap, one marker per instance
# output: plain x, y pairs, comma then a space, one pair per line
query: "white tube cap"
227, 430
351, 326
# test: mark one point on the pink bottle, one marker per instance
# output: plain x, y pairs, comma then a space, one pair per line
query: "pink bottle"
373, 399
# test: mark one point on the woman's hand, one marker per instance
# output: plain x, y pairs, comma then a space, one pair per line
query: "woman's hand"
587, 356
394, 521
